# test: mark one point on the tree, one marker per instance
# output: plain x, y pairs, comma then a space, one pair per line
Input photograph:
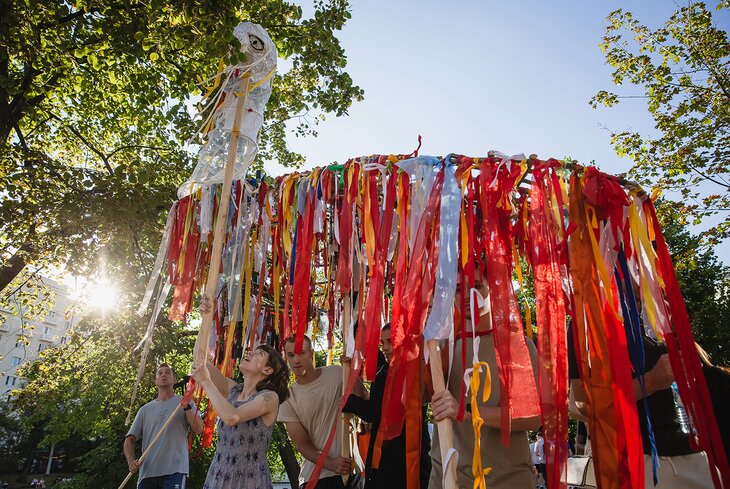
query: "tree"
94, 119
684, 71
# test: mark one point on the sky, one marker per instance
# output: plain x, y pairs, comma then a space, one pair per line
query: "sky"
474, 76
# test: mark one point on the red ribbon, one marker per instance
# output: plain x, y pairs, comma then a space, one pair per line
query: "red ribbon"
374, 304
517, 384
550, 302
686, 364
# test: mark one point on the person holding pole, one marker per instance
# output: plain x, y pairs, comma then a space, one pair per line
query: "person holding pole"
165, 466
247, 414
391, 471
511, 467
310, 412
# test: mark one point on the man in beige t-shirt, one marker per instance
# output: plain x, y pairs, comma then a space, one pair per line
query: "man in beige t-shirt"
310, 412
511, 468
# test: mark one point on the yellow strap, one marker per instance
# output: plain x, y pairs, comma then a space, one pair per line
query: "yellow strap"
247, 274
257, 84
217, 81
476, 420
518, 271
640, 239
592, 222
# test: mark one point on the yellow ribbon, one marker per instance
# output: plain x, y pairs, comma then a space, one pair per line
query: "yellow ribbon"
476, 420
640, 241
518, 271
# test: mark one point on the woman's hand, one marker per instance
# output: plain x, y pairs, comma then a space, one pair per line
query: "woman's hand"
201, 374
205, 305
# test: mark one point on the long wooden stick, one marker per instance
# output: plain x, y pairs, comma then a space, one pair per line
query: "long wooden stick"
345, 449
149, 447
201, 343
446, 439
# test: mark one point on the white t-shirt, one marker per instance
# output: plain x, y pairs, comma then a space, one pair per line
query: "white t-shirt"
533, 452
315, 405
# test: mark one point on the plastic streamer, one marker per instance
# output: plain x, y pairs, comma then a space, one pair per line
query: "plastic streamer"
441, 319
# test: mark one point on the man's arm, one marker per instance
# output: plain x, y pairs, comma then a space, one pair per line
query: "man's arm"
300, 437
660, 377
445, 406
132, 462
194, 421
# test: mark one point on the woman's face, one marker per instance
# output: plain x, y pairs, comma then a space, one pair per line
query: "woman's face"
254, 361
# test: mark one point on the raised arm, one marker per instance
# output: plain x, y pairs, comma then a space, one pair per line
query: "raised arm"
221, 382
266, 403
300, 437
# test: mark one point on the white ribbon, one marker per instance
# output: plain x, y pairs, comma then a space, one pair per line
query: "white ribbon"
159, 261
441, 319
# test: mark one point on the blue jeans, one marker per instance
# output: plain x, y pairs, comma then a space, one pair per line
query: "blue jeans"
171, 481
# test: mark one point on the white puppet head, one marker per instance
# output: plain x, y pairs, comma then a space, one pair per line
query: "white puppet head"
259, 66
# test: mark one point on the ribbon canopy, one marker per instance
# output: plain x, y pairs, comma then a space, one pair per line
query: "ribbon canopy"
343, 249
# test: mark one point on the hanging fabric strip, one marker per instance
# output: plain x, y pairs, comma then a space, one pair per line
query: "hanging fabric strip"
634, 338
550, 315
412, 305
591, 349
684, 358
517, 382
374, 302
441, 319
159, 261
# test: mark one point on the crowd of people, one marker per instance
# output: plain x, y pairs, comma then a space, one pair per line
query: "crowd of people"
309, 407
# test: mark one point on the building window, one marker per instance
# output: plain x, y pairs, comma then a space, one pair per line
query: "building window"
42, 347
10, 380
15, 361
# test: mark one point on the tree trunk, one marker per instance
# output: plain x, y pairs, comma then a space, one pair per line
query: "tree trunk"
289, 458
14, 266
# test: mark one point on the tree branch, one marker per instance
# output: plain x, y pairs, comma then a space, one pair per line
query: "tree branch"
140, 146
96, 151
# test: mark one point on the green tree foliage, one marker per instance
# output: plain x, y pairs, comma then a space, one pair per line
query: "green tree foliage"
94, 117
683, 69
78, 396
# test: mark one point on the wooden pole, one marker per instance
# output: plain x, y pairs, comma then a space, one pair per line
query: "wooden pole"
345, 449
149, 447
446, 440
201, 343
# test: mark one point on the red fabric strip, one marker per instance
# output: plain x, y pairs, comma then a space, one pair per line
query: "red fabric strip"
686, 364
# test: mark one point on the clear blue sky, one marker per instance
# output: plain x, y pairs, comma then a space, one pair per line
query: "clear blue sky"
471, 76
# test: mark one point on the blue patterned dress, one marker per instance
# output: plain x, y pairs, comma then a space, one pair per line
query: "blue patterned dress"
240, 455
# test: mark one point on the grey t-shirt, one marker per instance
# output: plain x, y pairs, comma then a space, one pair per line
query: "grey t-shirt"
170, 454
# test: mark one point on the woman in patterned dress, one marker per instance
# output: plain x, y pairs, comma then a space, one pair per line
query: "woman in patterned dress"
247, 414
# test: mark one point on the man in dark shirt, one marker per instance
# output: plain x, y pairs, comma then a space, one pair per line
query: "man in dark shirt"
684, 468
392, 469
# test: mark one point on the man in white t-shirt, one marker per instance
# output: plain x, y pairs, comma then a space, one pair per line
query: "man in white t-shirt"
311, 410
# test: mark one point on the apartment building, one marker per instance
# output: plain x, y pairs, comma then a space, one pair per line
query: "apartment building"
40, 334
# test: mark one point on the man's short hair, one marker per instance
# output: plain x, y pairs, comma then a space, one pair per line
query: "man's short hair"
165, 365
293, 339
386, 327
